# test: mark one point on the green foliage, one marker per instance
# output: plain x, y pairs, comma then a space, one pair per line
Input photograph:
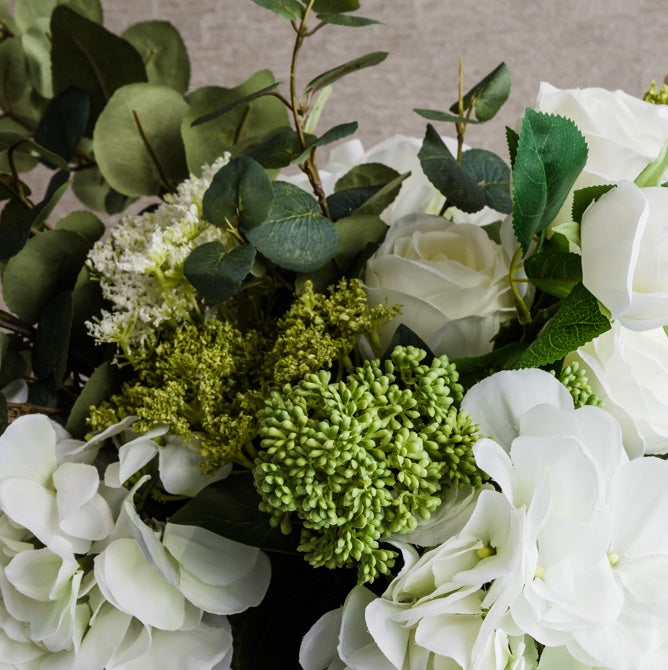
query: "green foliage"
578, 321
142, 123
551, 153
656, 96
52, 339
208, 381
357, 460
288, 9
583, 197
555, 272
488, 95
336, 73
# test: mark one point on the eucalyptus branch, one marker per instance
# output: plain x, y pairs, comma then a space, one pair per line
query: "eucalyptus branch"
15, 325
282, 98
299, 110
316, 29
461, 127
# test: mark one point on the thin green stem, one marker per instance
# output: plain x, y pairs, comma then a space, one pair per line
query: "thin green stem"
523, 313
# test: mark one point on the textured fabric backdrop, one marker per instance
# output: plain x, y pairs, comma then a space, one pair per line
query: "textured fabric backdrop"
609, 43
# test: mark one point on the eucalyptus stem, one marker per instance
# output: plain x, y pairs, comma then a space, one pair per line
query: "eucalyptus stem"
298, 109
15, 325
461, 127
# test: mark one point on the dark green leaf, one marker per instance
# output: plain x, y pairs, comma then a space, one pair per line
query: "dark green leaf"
48, 264
347, 20
163, 51
329, 77
435, 115
335, 6
512, 140
550, 155
296, 236
87, 306
52, 339
102, 383
233, 105
442, 170
355, 233
334, 134
230, 508
27, 12
16, 219
578, 321
142, 124
82, 222
217, 273
556, 273
288, 9
583, 197
14, 72
64, 123
344, 203
279, 150
488, 95
373, 175
240, 192
492, 176
12, 364
85, 55
10, 141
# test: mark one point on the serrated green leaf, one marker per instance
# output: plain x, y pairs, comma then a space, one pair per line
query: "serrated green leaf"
240, 192
85, 55
512, 140
295, 236
329, 77
347, 20
488, 95
556, 273
84, 223
48, 264
578, 321
102, 383
64, 123
583, 197
52, 339
550, 155
163, 51
17, 220
217, 273
137, 140
435, 115
492, 175
442, 170
230, 508
288, 9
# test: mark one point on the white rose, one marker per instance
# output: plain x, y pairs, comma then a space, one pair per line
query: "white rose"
417, 194
628, 371
451, 280
624, 134
624, 242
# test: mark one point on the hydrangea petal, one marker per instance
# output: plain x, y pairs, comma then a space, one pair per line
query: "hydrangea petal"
28, 449
318, 647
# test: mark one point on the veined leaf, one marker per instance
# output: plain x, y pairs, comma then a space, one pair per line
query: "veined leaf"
288, 9
556, 273
488, 95
578, 321
329, 77
550, 155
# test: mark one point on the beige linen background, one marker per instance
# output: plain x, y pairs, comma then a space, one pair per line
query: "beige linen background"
610, 43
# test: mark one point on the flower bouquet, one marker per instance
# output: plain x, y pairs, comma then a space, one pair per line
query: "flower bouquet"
407, 410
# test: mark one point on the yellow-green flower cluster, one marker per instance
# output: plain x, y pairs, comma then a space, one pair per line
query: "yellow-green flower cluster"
656, 96
360, 459
209, 381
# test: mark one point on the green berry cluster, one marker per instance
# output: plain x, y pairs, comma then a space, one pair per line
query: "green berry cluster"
365, 457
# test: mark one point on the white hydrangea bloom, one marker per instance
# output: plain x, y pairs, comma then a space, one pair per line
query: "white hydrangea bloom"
140, 266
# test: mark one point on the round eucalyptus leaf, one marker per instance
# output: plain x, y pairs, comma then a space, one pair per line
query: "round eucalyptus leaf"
137, 139
492, 175
48, 264
295, 236
165, 55
92, 190
82, 222
240, 191
217, 273
15, 72
26, 12
244, 124
37, 48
